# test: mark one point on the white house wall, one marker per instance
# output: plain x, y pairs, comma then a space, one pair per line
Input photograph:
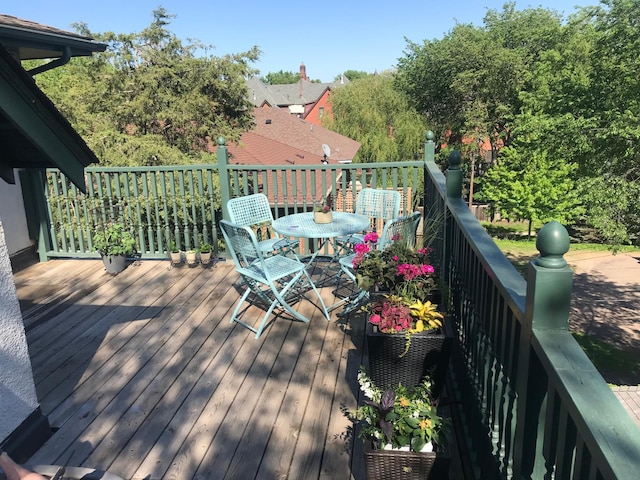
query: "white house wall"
17, 389
13, 216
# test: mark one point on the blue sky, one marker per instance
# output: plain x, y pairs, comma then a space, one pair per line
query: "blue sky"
329, 37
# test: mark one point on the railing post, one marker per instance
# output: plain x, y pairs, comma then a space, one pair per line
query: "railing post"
429, 147
454, 175
223, 174
549, 284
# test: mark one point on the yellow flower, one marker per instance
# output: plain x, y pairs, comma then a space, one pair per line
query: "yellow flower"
426, 313
404, 402
425, 423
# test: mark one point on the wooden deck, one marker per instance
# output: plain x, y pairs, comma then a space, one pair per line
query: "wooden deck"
143, 375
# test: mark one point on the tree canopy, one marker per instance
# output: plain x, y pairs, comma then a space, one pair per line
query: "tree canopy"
371, 111
557, 99
149, 99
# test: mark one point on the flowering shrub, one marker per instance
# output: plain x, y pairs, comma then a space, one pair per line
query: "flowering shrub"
398, 269
398, 417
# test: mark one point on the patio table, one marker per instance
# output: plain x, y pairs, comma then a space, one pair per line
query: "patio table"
301, 225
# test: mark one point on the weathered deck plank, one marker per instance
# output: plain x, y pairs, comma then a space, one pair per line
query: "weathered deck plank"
144, 375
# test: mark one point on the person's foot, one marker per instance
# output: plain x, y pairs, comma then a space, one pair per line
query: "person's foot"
12, 471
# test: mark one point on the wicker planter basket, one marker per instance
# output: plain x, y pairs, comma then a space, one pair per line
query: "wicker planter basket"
397, 465
428, 354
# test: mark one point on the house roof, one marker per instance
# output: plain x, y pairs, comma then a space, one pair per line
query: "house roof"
27, 40
306, 138
302, 92
33, 133
279, 138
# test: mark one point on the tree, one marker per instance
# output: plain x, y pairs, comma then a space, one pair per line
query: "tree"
281, 78
149, 100
378, 116
535, 187
352, 75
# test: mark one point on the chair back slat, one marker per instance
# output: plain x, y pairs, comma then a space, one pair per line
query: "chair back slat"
379, 205
403, 228
250, 210
241, 242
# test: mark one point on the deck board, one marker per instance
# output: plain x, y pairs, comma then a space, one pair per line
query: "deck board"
142, 374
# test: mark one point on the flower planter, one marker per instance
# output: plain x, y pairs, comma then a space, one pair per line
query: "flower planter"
323, 217
428, 354
114, 264
191, 257
396, 464
176, 258
205, 258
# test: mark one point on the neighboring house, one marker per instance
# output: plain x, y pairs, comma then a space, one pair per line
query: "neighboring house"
279, 138
307, 100
33, 136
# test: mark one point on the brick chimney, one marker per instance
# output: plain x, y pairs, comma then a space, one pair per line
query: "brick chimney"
303, 72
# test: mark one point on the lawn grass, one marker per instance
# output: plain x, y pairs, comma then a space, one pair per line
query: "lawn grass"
606, 357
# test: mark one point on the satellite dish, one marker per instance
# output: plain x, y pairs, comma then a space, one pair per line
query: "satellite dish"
326, 150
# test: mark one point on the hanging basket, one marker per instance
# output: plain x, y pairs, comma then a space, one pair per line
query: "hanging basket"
428, 355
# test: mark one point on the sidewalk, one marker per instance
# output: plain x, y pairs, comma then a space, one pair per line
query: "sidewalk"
606, 305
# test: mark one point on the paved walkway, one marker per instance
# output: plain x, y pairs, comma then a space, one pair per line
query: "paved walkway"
606, 306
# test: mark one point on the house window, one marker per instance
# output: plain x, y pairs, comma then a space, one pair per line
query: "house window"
321, 112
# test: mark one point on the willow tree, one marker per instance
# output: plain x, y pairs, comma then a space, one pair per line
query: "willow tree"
371, 111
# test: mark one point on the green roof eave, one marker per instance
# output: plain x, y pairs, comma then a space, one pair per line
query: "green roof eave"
33, 133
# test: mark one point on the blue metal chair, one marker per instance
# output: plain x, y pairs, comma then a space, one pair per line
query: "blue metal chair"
402, 227
254, 211
378, 204
275, 280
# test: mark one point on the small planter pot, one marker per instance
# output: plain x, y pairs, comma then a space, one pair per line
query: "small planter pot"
114, 264
323, 217
191, 257
176, 258
428, 355
205, 258
396, 464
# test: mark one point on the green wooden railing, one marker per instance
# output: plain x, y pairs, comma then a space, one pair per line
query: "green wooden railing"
183, 204
530, 404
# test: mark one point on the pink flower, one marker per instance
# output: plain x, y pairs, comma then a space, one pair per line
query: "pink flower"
371, 237
361, 248
374, 319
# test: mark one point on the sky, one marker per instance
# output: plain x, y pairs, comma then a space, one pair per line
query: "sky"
329, 37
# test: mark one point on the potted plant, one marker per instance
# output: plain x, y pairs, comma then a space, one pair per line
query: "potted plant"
205, 253
114, 242
407, 338
402, 430
175, 253
191, 256
322, 212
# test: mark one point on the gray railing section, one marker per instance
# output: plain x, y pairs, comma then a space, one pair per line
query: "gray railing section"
532, 404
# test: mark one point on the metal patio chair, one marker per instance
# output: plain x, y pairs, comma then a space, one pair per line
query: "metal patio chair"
402, 227
379, 205
276, 280
254, 211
